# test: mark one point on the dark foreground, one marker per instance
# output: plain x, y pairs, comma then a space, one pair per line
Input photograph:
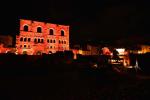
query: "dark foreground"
72, 81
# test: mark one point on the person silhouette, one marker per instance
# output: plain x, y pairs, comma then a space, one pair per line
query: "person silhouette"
115, 55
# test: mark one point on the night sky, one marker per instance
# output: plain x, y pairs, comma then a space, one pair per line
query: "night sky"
88, 20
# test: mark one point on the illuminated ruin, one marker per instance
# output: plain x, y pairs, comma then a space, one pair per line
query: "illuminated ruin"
36, 38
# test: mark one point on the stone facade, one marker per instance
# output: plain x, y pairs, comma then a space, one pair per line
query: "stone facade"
37, 37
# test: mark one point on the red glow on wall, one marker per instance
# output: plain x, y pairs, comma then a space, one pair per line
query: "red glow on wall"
35, 37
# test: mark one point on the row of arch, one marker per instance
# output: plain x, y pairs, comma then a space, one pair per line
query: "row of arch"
62, 42
54, 41
25, 46
29, 39
25, 39
51, 41
59, 47
50, 47
38, 40
39, 30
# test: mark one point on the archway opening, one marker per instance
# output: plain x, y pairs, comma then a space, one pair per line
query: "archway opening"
24, 53
39, 53
50, 52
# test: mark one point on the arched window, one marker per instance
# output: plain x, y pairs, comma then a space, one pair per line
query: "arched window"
38, 40
54, 41
39, 30
25, 46
35, 40
64, 42
62, 33
21, 39
42, 40
59, 41
25, 39
51, 32
51, 41
48, 40
25, 28
29, 39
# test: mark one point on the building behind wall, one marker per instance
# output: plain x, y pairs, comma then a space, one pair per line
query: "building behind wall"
36, 38
6, 44
140, 49
85, 50
6, 40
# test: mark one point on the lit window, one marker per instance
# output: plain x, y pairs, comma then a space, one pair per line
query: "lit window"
25, 28
39, 29
51, 32
21, 39
62, 33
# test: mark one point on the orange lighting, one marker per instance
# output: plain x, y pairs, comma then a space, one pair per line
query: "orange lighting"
40, 37
106, 51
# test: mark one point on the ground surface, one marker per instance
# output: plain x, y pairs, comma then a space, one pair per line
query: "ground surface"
68, 82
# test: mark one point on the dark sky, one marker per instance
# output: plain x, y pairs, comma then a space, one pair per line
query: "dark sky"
88, 19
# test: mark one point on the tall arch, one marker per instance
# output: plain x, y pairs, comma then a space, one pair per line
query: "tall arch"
39, 30
25, 28
51, 32
62, 32
21, 39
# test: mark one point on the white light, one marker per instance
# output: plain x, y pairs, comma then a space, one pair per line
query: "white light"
139, 52
80, 52
121, 51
